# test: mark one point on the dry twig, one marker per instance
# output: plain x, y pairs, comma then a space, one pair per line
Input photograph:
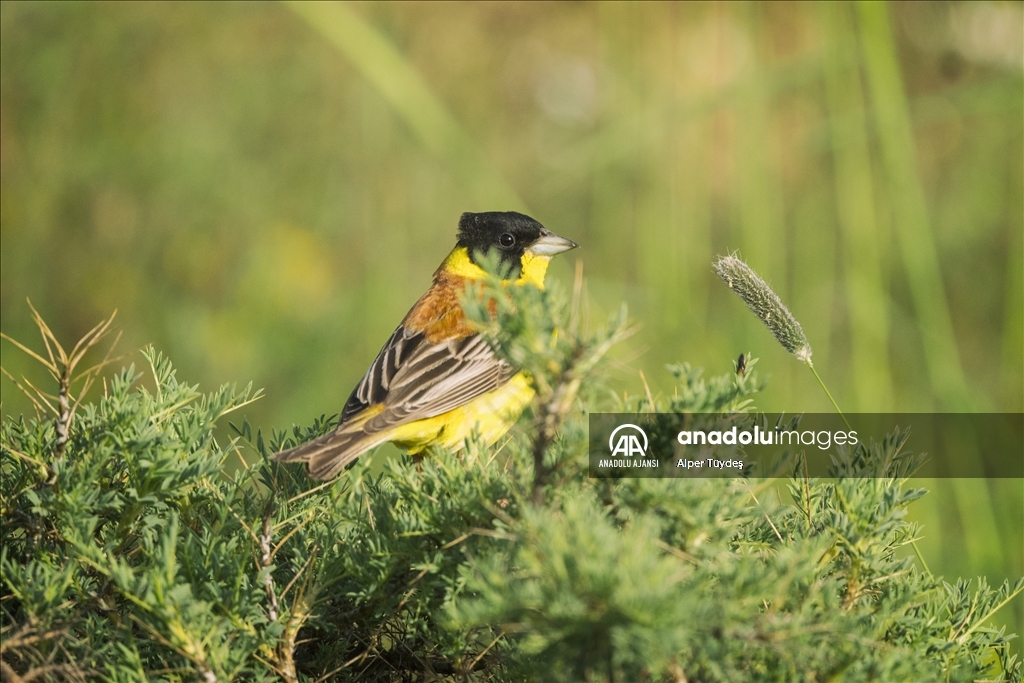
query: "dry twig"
61, 365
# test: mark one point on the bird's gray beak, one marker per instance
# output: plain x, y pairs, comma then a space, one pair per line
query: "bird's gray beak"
550, 244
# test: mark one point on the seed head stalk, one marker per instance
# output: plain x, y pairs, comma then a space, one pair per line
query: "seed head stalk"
828, 393
766, 305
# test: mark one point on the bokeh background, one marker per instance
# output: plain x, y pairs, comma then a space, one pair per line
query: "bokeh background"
262, 190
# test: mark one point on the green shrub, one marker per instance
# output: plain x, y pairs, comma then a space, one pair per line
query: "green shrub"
132, 552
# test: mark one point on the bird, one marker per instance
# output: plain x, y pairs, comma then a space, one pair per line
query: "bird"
436, 380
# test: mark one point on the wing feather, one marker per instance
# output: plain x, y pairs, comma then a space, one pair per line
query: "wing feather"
415, 379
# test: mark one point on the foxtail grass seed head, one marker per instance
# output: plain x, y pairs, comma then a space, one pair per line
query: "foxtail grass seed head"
765, 304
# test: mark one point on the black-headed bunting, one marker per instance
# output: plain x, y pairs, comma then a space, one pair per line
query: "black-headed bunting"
437, 380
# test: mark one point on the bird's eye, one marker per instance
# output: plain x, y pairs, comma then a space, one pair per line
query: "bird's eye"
507, 240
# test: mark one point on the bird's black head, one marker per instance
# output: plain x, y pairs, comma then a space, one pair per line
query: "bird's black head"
511, 235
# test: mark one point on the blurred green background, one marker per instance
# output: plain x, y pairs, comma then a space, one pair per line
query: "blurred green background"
262, 190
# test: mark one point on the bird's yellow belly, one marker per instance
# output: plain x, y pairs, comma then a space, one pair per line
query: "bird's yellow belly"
489, 416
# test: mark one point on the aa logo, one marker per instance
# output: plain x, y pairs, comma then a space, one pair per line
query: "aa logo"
628, 442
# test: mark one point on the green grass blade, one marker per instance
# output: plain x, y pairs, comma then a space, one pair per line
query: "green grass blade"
410, 96
912, 225
867, 300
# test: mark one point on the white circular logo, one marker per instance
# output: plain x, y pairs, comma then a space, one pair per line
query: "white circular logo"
628, 444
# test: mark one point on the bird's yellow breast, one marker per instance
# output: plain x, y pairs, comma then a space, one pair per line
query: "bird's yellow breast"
489, 416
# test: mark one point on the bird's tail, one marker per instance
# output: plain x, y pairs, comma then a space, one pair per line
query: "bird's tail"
326, 455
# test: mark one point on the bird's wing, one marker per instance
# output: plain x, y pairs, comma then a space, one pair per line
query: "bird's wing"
416, 379
374, 387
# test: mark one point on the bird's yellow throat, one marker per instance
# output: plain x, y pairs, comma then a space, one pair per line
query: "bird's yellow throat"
534, 267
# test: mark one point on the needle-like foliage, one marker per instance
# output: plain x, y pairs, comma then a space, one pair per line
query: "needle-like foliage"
158, 549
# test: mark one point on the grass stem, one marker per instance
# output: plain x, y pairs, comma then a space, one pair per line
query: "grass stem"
917, 551
828, 393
